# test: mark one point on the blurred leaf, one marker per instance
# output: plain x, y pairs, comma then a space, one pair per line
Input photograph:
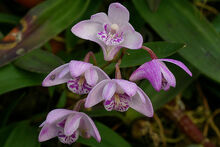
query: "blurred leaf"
39, 61
23, 135
109, 138
161, 49
13, 78
180, 21
153, 4
1, 35
183, 80
216, 23
9, 109
8, 18
39, 25
5, 132
62, 100
195, 145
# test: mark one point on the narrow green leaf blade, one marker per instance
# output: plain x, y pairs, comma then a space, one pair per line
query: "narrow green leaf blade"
39, 61
8, 18
180, 21
109, 138
161, 48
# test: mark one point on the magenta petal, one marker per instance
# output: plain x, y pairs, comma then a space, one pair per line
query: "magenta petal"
101, 18
77, 68
57, 76
141, 103
95, 95
128, 87
168, 76
109, 90
91, 76
88, 125
151, 71
178, 63
47, 132
72, 124
57, 114
118, 14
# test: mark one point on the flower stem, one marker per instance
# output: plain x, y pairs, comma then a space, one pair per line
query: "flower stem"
117, 70
88, 55
152, 54
78, 104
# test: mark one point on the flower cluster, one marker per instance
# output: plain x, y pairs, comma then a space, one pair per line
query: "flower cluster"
111, 32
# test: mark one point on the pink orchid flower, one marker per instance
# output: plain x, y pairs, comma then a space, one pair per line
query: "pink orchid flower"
111, 32
119, 95
67, 125
79, 76
158, 74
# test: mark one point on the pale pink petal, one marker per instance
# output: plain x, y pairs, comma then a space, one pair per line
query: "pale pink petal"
101, 18
88, 29
168, 76
151, 71
132, 40
101, 74
88, 125
141, 103
118, 14
109, 90
57, 76
57, 114
72, 123
178, 63
128, 87
110, 52
47, 132
77, 68
91, 76
95, 95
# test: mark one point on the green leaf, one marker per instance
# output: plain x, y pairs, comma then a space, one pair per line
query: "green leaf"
5, 132
62, 100
8, 18
109, 138
13, 78
216, 23
162, 49
41, 24
39, 61
153, 4
180, 21
23, 135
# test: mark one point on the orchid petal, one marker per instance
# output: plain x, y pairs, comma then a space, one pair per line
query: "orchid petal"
56, 115
47, 132
151, 71
168, 76
101, 18
91, 76
178, 63
109, 90
95, 95
118, 14
132, 39
57, 76
77, 68
72, 124
88, 29
110, 52
88, 125
128, 87
141, 103
101, 74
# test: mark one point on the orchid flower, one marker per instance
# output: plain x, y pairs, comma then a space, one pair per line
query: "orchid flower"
111, 32
119, 95
67, 125
79, 76
158, 74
